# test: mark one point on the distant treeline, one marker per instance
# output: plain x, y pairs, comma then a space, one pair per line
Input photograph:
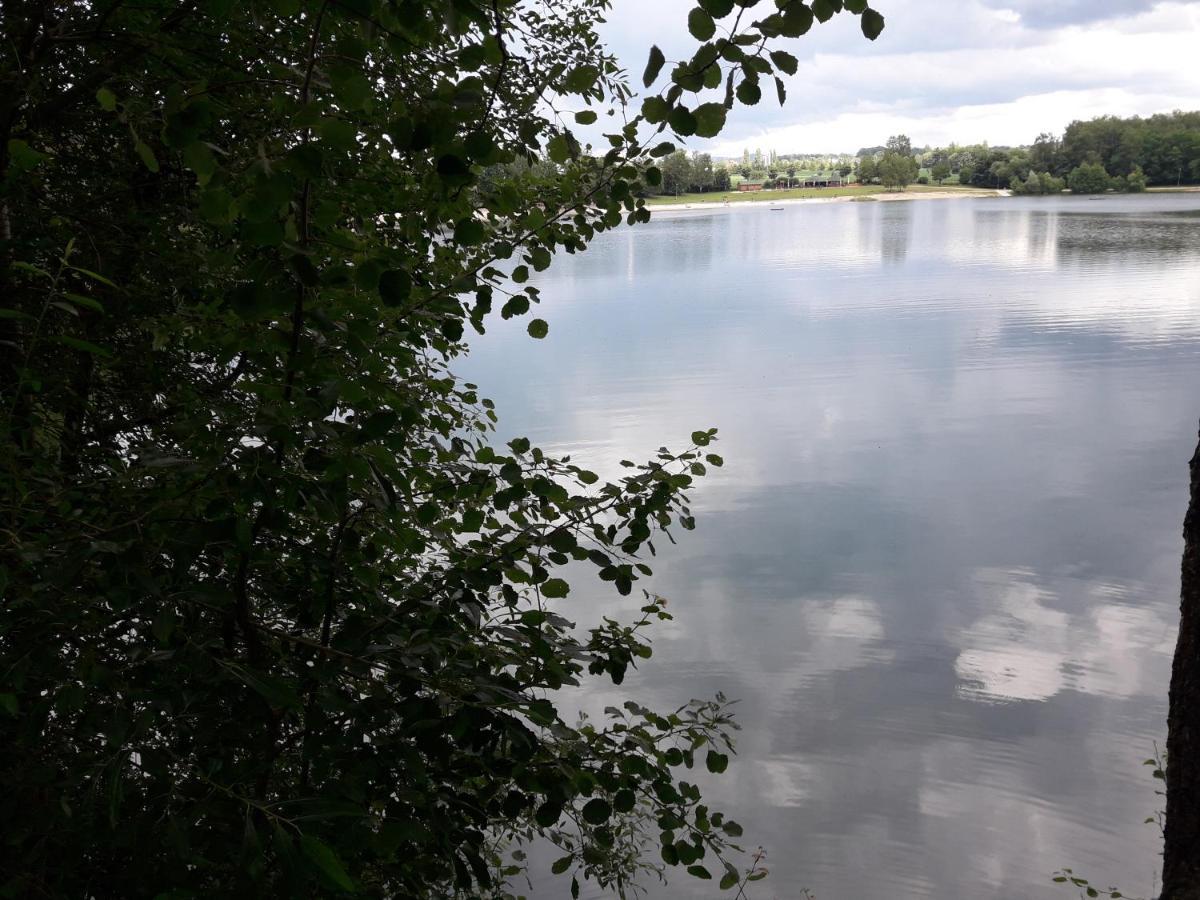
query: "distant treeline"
1164, 149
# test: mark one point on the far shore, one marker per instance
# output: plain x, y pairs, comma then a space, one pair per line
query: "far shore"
881, 196
764, 198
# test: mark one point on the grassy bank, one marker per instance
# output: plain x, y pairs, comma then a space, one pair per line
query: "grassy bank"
853, 190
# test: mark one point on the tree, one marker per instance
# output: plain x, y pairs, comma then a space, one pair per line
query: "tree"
868, 169
1045, 152
791, 174
940, 171
845, 169
1181, 832
897, 170
676, 173
1050, 184
899, 143
1135, 181
280, 614
1089, 178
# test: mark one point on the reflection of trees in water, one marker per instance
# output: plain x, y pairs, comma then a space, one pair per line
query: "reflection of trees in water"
1088, 237
896, 231
884, 230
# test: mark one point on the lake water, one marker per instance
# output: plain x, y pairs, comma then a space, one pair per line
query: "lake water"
940, 566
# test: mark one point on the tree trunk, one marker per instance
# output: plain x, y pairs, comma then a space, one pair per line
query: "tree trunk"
1181, 839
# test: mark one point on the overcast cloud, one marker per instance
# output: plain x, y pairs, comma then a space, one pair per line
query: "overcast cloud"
1000, 71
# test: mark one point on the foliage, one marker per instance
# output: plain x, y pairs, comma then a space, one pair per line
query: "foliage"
280, 616
1089, 178
896, 170
683, 173
1165, 146
1135, 181
1037, 183
940, 171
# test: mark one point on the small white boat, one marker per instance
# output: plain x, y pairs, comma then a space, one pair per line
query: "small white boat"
776, 207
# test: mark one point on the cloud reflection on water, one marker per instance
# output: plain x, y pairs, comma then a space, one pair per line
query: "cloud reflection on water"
939, 568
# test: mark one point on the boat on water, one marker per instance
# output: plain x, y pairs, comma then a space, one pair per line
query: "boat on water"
776, 207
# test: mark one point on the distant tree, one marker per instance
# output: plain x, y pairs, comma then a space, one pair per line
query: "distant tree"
899, 143
676, 173
845, 169
897, 170
1089, 178
940, 171
1051, 184
868, 169
1044, 155
791, 174
1135, 181
744, 170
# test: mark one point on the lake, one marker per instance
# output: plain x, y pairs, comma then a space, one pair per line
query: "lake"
940, 567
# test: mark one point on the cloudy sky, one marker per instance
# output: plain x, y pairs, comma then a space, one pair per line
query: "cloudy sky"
966, 71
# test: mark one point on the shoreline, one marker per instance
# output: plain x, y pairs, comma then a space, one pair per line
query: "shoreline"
881, 197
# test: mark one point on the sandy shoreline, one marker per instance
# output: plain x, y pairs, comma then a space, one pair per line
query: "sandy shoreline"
855, 198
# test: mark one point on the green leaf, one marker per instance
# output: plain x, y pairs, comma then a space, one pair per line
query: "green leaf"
8, 702
538, 328
682, 121
337, 134
749, 92
710, 119
395, 286
596, 812
559, 148
23, 156
699, 872
784, 61
585, 116
655, 110
216, 206
469, 232
872, 24
548, 813
146, 155
717, 8
780, 90
562, 864
555, 588
653, 66
581, 79
328, 866
700, 24
731, 828
200, 159
79, 344
728, 880
716, 762
107, 99
822, 9
663, 149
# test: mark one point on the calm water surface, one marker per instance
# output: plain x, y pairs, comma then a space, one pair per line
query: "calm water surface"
940, 567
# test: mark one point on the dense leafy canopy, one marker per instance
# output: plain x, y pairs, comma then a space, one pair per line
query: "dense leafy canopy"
279, 615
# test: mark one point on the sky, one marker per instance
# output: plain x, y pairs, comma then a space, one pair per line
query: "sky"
966, 71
